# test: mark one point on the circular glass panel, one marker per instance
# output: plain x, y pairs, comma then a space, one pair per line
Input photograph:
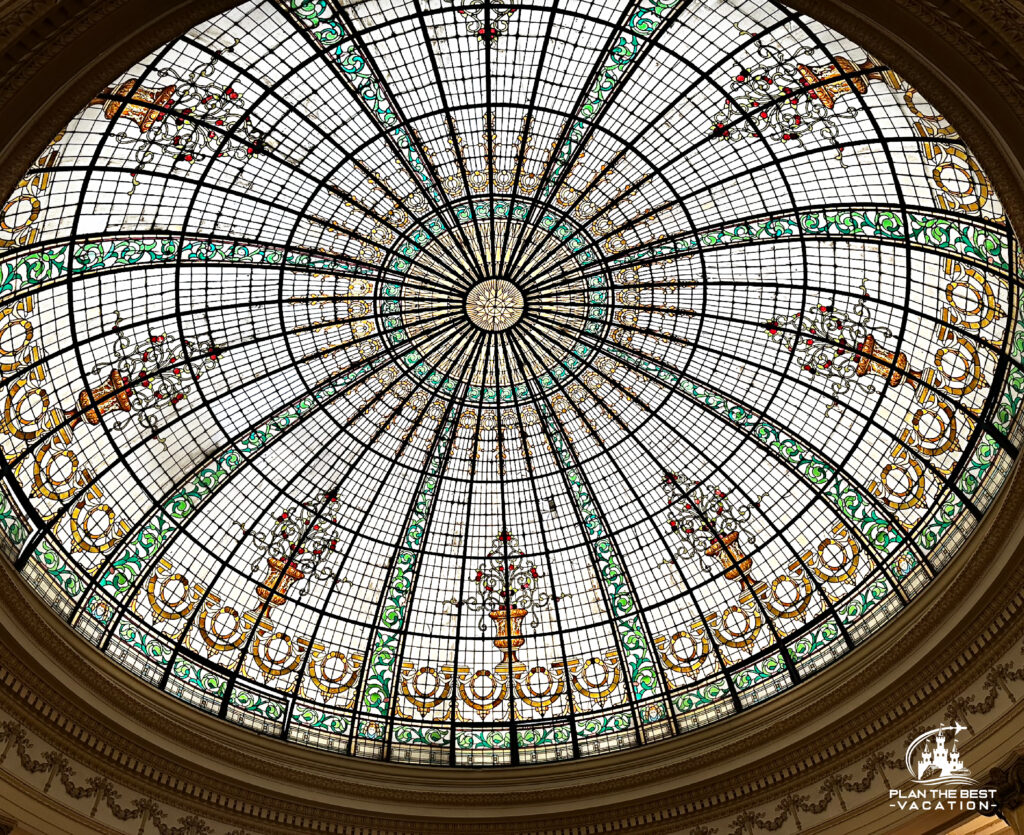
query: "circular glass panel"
494, 304
485, 385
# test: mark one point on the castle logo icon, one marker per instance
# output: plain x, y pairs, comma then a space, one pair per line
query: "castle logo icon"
933, 758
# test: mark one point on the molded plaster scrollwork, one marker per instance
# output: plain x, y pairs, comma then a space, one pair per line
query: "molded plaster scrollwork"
990, 693
1008, 783
60, 770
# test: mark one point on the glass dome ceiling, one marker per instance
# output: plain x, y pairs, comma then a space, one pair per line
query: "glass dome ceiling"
482, 385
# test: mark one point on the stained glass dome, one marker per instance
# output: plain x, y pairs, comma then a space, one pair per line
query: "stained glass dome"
489, 385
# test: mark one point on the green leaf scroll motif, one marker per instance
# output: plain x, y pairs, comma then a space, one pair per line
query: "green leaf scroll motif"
40, 267
432, 736
950, 507
600, 725
320, 18
944, 235
708, 694
644, 22
384, 653
814, 641
60, 571
810, 464
764, 670
144, 643
326, 28
950, 236
485, 740
642, 673
539, 737
155, 533
314, 718
10, 525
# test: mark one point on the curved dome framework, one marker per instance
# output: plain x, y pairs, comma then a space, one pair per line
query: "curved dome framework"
488, 385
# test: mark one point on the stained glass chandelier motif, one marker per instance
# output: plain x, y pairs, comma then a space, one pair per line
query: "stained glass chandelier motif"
488, 385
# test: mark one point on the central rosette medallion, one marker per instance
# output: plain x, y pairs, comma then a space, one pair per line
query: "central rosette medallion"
529, 308
494, 304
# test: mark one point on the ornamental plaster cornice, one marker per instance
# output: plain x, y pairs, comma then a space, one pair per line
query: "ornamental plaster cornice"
967, 58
